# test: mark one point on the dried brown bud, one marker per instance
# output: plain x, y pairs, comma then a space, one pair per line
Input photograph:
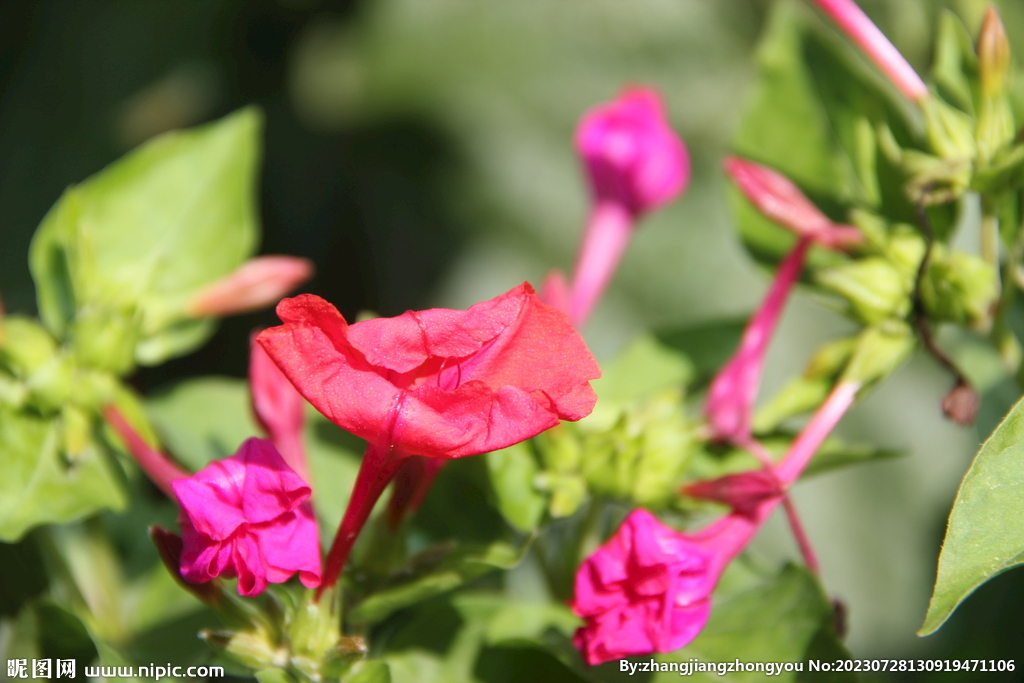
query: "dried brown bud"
961, 404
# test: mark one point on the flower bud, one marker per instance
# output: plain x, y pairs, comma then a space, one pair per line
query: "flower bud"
633, 157
993, 53
256, 284
779, 200
743, 492
555, 291
961, 404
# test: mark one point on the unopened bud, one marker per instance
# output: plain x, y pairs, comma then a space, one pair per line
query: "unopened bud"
743, 492
781, 201
256, 284
632, 155
168, 547
993, 53
961, 404
555, 291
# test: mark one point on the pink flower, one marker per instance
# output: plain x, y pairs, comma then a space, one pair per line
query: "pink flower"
636, 164
634, 158
648, 588
278, 408
436, 383
256, 284
245, 516
863, 31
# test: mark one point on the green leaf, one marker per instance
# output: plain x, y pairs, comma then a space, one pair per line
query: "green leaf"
369, 671
985, 536
525, 623
39, 486
778, 620
645, 366
133, 243
513, 471
274, 676
707, 345
428, 576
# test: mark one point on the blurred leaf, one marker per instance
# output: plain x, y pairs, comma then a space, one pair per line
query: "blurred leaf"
954, 53
985, 536
513, 471
644, 367
369, 671
274, 676
526, 623
37, 486
707, 345
432, 573
777, 621
133, 243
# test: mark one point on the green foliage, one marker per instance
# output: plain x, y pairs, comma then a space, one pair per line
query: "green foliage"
985, 536
117, 259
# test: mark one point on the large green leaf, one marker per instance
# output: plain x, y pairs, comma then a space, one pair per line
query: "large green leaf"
117, 259
40, 486
985, 535
782, 619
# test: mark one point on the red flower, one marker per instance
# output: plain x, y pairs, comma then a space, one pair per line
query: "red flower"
436, 383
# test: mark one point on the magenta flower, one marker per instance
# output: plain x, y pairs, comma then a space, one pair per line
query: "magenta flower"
278, 407
245, 516
863, 31
648, 588
636, 164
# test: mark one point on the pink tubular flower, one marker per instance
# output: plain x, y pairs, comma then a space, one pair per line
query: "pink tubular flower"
731, 396
863, 31
256, 284
436, 383
278, 407
636, 164
245, 516
648, 589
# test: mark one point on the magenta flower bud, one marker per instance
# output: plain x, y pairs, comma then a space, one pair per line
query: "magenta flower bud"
743, 492
256, 284
636, 164
634, 159
778, 199
247, 516
862, 30
278, 407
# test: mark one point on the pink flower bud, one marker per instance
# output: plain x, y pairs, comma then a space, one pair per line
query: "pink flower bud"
863, 31
742, 492
256, 284
634, 159
555, 291
780, 200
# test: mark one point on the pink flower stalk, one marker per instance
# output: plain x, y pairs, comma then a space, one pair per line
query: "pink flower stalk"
731, 396
862, 30
636, 164
437, 383
278, 408
256, 284
160, 469
555, 291
246, 516
648, 588
412, 482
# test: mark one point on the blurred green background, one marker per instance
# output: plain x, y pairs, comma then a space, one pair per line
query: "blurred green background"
419, 151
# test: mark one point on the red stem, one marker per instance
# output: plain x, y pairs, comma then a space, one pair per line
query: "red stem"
379, 466
157, 466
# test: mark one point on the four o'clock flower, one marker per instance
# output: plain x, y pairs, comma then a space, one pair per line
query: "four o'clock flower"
245, 516
863, 31
636, 163
648, 588
437, 383
729, 407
